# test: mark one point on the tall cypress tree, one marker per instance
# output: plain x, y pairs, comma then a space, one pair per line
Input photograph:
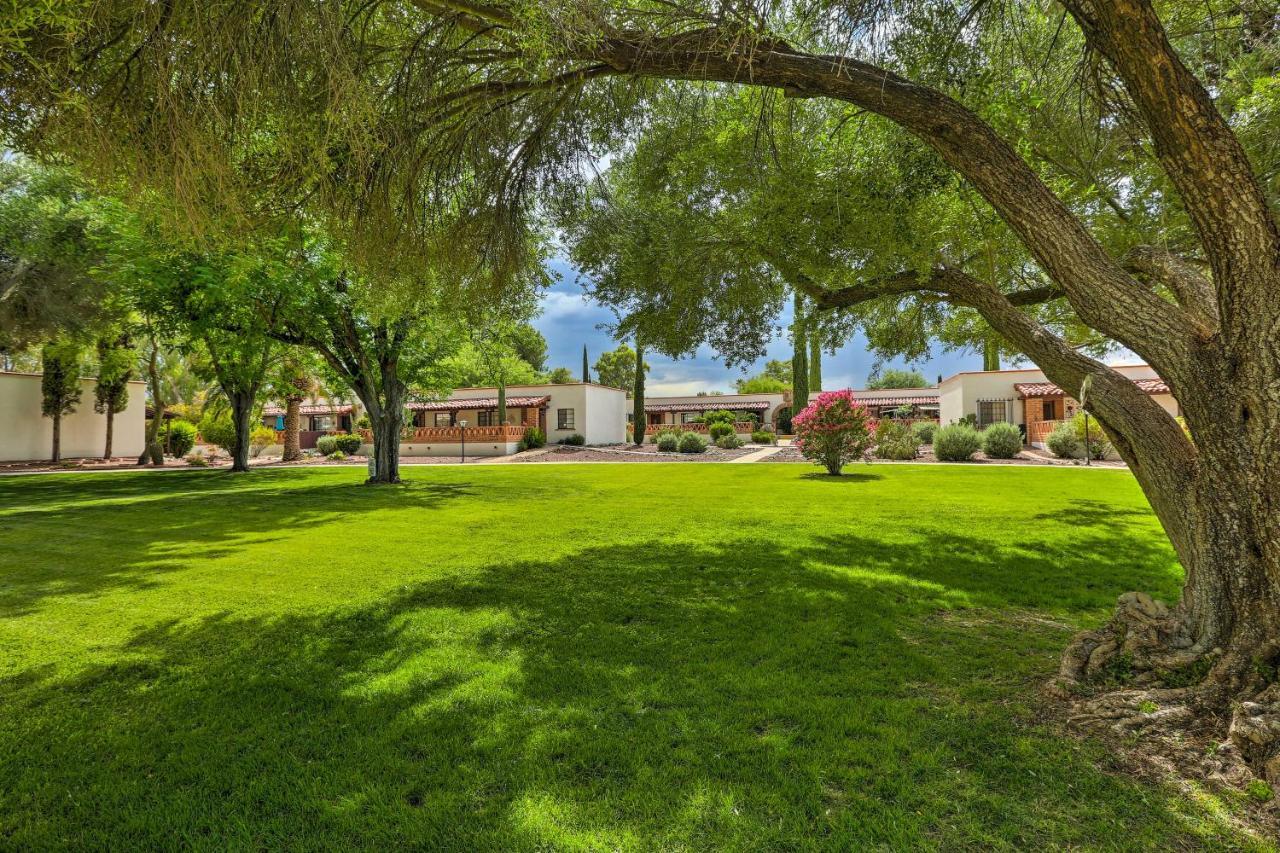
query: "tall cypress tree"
586, 371
991, 354
815, 359
638, 420
799, 358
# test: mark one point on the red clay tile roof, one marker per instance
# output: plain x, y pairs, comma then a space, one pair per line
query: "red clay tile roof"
478, 403
1048, 389
710, 406
916, 400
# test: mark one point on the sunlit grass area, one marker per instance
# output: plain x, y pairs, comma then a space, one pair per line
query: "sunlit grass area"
567, 657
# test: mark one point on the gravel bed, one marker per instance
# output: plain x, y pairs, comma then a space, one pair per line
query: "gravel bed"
630, 453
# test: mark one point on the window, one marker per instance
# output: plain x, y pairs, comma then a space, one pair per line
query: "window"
991, 411
321, 423
1049, 412
564, 419
444, 419
486, 417
689, 417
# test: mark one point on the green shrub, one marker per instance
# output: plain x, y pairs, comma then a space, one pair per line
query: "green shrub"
956, 443
327, 444
924, 431
337, 456
1099, 446
363, 422
182, 437
534, 437
197, 460
348, 444
668, 442
1062, 442
218, 430
763, 436
1001, 441
692, 442
718, 416
719, 429
260, 438
895, 440
575, 440
729, 442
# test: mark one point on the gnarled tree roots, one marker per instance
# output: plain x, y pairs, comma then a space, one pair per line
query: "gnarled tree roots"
1205, 713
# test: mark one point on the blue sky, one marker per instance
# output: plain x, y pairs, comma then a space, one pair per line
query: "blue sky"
569, 320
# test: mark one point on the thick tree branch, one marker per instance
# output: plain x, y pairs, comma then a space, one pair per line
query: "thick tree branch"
1196, 147
1190, 287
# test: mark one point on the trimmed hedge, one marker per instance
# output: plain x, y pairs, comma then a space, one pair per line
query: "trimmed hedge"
327, 444
1001, 441
956, 443
668, 442
692, 442
763, 436
719, 429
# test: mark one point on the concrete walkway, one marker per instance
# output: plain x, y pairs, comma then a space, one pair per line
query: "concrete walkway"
762, 453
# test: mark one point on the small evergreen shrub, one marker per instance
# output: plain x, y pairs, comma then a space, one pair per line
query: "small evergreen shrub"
182, 437
763, 436
337, 456
718, 416
728, 442
668, 442
218, 430
1001, 441
924, 431
348, 444
197, 460
1099, 446
956, 443
719, 429
363, 422
1063, 443
895, 440
327, 444
692, 442
533, 438
575, 440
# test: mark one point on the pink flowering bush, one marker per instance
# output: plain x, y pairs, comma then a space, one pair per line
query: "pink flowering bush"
833, 430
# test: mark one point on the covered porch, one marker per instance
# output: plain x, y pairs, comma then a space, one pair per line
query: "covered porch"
663, 416
316, 420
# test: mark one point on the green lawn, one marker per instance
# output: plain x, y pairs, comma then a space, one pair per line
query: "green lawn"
566, 657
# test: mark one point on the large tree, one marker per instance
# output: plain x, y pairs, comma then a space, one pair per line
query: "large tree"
116, 361
506, 94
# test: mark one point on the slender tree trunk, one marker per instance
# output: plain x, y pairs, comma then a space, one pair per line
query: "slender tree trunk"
241, 409
502, 402
111, 417
799, 358
638, 418
57, 438
292, 429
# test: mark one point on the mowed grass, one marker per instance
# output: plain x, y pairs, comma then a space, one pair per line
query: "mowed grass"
634, 657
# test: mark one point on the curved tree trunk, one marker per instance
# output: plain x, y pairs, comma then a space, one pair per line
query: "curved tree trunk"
292, 429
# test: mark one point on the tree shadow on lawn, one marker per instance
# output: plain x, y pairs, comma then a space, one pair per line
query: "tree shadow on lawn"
112, 532
640, 696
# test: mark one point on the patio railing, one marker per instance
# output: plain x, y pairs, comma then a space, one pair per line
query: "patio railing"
453, 435
1038, 431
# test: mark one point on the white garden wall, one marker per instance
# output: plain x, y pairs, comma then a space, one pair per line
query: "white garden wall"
28, 436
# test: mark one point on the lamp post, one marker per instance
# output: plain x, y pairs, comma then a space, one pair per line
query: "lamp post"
463, 423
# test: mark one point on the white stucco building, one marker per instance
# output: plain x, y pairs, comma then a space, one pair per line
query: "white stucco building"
28, 435
1024, 396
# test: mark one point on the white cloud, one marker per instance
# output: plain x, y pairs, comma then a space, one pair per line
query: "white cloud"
557, 305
